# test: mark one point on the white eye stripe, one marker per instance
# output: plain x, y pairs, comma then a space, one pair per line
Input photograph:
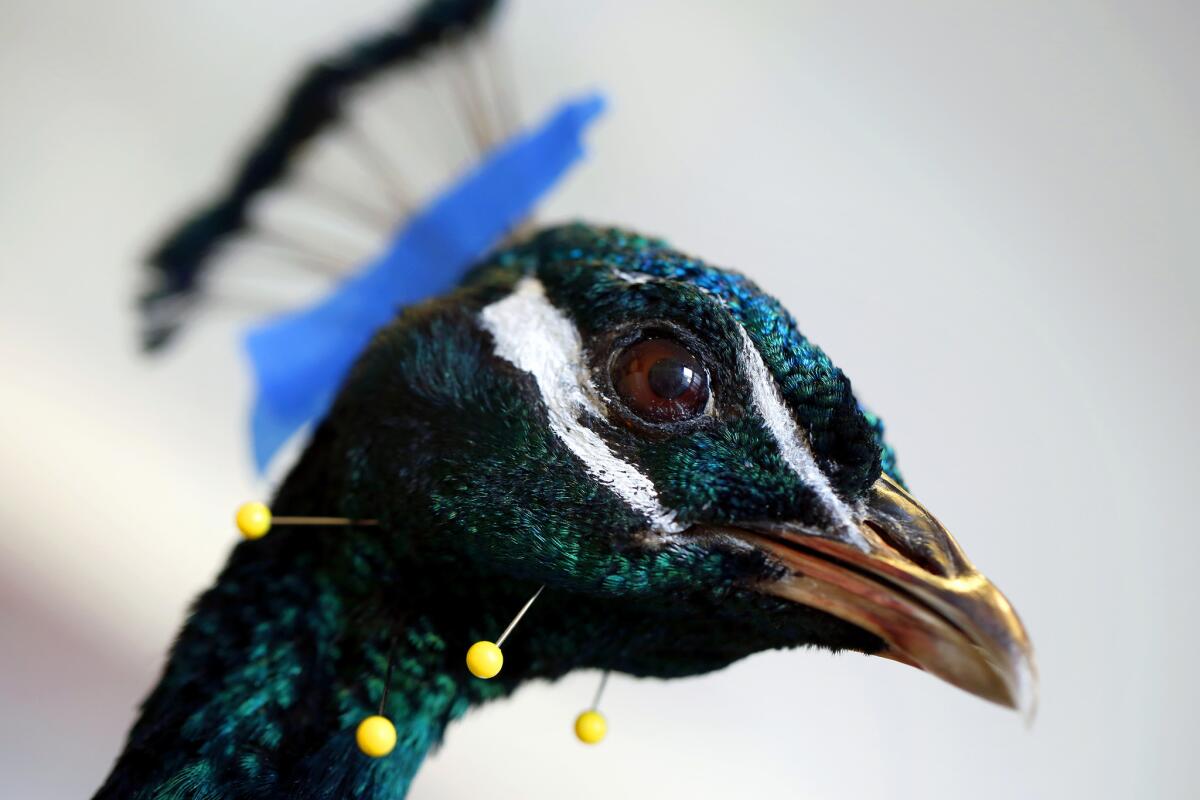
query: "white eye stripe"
535, 337
792, 443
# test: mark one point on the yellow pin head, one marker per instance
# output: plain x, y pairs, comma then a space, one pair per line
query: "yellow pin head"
376, 736
590, 727
484, 660
253, 520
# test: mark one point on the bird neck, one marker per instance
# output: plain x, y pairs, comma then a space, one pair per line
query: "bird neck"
288, 652
283, 657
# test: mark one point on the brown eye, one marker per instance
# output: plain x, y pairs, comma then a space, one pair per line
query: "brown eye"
661, 381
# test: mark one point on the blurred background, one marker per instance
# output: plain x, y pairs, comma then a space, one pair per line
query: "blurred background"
985, 212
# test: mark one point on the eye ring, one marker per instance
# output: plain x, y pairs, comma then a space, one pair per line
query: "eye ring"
660, 380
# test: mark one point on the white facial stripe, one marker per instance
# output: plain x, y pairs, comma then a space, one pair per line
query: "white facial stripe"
534, 336
632, 277
791, 441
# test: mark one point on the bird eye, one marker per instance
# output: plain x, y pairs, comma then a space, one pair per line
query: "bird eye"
660, 381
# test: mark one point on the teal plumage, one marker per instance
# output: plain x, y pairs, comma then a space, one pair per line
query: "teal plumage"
448, 447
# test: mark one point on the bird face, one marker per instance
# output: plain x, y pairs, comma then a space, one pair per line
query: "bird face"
654, 439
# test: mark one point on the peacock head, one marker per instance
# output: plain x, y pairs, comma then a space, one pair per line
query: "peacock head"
653, 440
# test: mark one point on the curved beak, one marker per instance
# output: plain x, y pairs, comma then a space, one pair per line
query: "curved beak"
911, 585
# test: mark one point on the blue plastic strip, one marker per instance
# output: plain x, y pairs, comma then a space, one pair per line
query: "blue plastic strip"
300, 359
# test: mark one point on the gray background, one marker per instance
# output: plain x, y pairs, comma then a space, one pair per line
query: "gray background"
986, 213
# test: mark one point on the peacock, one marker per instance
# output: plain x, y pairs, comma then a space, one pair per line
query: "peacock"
642, 441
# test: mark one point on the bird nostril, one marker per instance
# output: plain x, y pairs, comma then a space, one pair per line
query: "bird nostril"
913, 547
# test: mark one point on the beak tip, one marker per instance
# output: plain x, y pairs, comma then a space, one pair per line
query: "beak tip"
1025, 690
1015, 679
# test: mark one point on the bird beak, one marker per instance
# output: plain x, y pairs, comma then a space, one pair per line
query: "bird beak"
901, 576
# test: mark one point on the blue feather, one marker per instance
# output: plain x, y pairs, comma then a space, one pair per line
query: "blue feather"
300, 359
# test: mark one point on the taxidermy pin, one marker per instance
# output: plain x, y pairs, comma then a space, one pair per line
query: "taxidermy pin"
484, 659
376, 735
255, 520
591, 726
